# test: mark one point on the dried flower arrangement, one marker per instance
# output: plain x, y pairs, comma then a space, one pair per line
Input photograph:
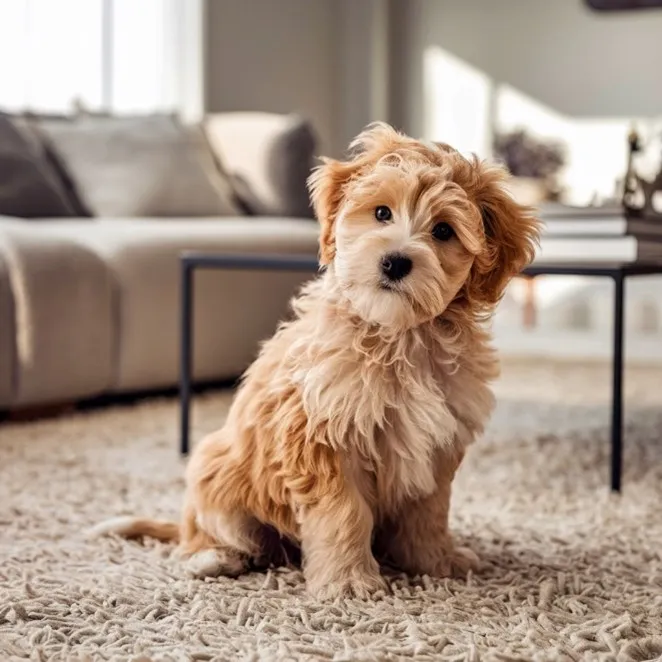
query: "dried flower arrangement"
527, 156
534, 164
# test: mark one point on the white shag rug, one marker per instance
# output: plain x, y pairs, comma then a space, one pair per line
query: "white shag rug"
571, 572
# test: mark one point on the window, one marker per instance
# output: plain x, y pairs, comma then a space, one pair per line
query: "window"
119, 56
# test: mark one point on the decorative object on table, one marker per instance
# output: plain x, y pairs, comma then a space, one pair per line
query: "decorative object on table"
639, 193
534, 164
627, 231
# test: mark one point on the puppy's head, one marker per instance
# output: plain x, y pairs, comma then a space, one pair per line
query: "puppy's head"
411, 227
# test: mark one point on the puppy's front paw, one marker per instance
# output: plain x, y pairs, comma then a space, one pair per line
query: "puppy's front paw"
450, 562
463, 559
355, 585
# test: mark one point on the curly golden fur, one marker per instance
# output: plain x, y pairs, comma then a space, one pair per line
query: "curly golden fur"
348, 428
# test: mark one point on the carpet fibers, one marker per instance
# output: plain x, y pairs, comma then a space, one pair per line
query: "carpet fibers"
570, 571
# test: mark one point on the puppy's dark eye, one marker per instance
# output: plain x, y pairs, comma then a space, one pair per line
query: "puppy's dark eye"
383, 213
442, 232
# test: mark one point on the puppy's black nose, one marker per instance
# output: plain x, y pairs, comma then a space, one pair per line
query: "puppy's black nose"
396, 267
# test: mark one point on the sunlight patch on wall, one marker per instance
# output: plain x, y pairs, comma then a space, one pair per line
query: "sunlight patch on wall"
464, 107
514, 110
598, 159
457, 100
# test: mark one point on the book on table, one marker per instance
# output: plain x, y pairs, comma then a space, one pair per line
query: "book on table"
598, 234
561, 220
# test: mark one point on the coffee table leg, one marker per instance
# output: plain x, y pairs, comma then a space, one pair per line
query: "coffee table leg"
617, 386
186, 331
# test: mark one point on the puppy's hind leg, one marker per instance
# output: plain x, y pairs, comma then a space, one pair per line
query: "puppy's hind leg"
219, 534
216, 544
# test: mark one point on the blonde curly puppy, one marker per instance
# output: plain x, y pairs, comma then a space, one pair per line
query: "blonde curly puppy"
348, 428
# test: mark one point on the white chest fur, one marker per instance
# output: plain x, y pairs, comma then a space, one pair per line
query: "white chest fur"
390, 406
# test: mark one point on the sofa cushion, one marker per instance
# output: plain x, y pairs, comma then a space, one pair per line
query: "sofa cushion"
27, 123
29, 187
140, 166
269, 158
52, 157
234, 310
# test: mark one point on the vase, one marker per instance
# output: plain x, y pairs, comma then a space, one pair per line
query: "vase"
528, 190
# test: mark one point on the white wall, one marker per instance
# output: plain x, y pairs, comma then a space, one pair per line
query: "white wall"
560, 53
315, 57
468, 67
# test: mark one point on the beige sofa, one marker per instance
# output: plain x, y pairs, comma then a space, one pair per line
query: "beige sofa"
90, 306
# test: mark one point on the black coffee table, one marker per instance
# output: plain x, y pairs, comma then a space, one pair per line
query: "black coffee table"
617, 271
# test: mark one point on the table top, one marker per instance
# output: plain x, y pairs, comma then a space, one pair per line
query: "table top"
307, 262
272, 261
593, 269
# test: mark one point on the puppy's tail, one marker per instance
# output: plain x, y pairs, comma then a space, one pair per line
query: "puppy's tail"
137, 527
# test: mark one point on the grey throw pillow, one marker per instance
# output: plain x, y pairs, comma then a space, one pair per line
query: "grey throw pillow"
140, 166
268, 156
29, 187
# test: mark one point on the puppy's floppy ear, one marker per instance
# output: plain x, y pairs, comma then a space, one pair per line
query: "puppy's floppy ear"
511, 231
328, 181
326, 185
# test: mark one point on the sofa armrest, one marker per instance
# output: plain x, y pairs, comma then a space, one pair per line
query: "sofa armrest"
268, 158
63, 315
7, 336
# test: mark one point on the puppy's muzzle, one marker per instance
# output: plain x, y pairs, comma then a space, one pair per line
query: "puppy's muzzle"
395, 266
